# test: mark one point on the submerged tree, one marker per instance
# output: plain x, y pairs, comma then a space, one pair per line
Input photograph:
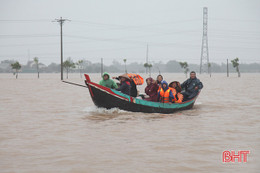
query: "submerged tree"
184, 65
149, 66
209, 69
235, 64
146, 66
79, 64
36, 61
16, 66
68, 64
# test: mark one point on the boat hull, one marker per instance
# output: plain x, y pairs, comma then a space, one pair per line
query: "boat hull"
108, 98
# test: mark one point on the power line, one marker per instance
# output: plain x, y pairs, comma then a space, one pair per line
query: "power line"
134, 26
234, 20
25, 20
27, 36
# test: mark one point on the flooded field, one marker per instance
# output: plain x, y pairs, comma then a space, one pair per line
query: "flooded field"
50, 126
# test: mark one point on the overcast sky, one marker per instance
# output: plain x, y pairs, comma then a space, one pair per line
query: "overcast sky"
118, 29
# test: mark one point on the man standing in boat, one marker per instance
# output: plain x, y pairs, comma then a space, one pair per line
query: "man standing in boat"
107, 82
192, 86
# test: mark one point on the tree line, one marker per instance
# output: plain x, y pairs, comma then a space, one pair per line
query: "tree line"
85, 66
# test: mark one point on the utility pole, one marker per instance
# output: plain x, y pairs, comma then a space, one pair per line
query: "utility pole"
61, 21
125, 65
227, 69
101, 67
146, 57
204, 48
28, 55
159, 71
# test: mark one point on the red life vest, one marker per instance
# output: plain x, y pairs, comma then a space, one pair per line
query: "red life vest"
165, 96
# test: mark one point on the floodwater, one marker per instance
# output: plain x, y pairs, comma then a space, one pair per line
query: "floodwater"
50, 126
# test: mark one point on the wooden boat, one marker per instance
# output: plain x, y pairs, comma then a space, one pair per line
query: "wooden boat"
109, 98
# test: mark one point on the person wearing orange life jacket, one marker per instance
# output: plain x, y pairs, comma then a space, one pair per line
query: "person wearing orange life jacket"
165, 94
174, 92
176, 89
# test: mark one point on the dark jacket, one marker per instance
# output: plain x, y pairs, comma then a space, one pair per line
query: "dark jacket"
124, 87
133, 90
189, 86
151, 90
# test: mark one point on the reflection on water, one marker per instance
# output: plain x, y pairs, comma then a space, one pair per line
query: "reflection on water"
50, 126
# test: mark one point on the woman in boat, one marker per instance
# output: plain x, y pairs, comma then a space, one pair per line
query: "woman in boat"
165, 94
124, 84
159, 79
151, 89
175, 87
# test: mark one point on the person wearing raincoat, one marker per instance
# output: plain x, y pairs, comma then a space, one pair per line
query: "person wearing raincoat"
107, 82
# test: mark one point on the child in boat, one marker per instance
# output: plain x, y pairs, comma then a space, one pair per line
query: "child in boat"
107, 82
165, 94
175, 87
151, 89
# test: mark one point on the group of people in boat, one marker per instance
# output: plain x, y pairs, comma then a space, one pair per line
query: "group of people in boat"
157, 90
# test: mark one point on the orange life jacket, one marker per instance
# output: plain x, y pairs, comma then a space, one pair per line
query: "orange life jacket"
180, 98
165, 96
174, 92
138, 80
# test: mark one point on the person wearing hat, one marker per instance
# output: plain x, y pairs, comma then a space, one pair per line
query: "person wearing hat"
125, 85
175, 87
107, 82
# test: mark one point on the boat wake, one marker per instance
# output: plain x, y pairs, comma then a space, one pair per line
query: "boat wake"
198, 103
93, 110
101, 114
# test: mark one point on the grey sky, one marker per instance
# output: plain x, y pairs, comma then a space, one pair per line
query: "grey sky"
118, 29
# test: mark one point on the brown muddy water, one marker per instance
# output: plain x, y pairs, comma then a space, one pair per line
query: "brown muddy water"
49, 126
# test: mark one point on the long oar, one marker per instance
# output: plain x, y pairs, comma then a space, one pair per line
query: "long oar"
74, 84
